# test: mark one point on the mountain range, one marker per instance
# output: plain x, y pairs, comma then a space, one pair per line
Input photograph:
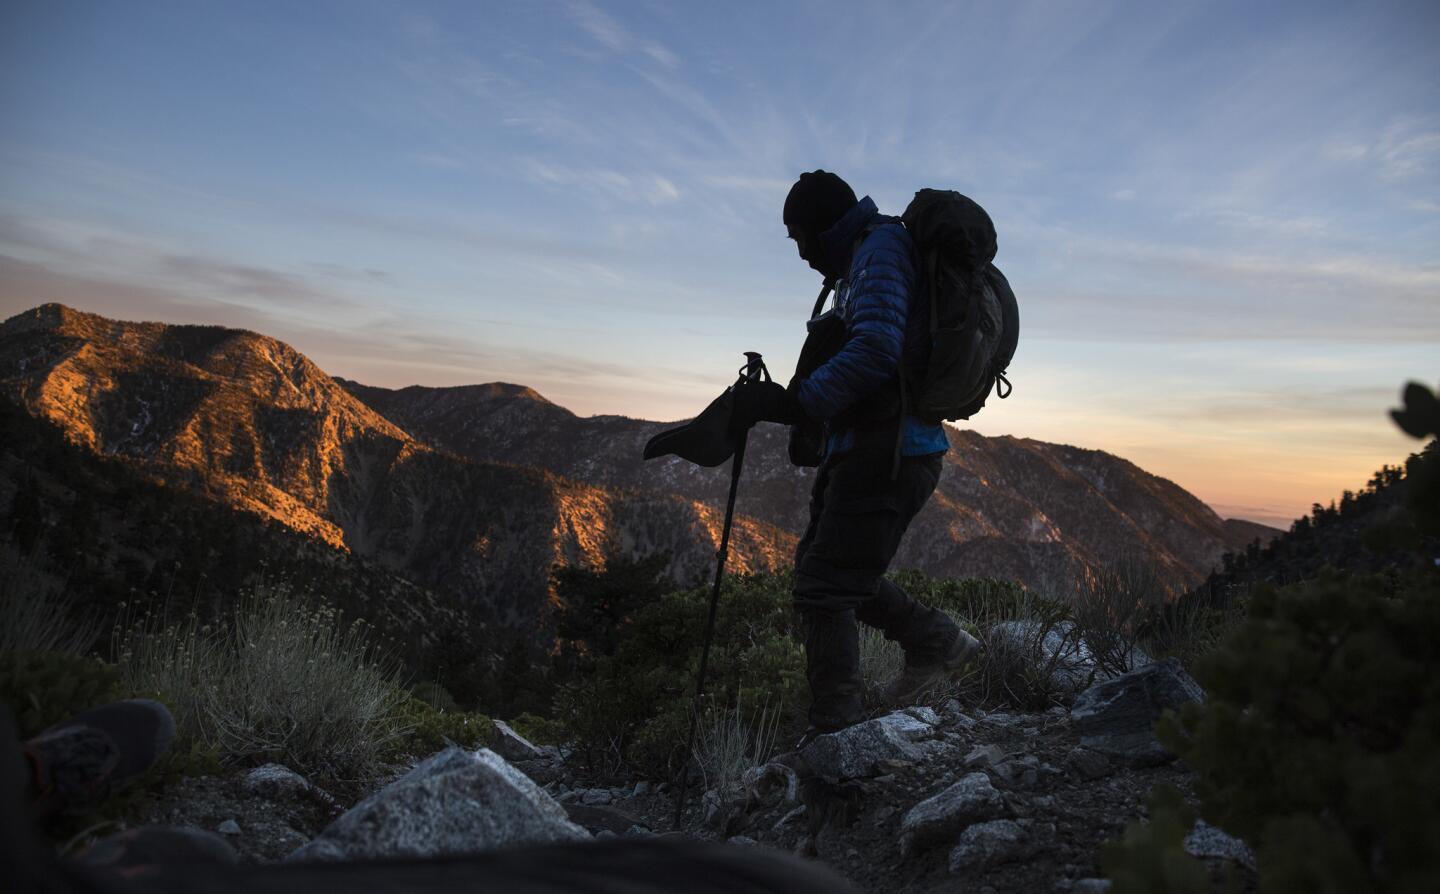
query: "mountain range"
479, 491
1006, 507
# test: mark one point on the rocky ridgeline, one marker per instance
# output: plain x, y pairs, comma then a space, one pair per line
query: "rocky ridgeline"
1006, 801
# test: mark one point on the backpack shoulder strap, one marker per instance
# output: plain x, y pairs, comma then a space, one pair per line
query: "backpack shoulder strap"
825, 291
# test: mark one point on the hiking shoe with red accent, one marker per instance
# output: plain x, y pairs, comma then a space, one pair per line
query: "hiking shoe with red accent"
917, 680
78, 762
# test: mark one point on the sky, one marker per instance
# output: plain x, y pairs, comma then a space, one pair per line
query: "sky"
1222, 220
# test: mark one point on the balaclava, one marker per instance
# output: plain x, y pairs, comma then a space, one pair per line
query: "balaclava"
816, 201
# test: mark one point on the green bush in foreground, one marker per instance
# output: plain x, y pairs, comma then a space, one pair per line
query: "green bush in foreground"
980, 601
1151, 857
43, 688
426, 729
1319, 739
634, 707
538, 730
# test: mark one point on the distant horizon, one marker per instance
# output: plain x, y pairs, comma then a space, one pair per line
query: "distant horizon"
1220, 219
1278, 521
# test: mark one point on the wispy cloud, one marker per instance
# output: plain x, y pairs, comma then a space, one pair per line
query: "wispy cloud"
1408, 149
649, 189
610, 34
1266, 224
599, 25
1093, 285
243, 280
106, 254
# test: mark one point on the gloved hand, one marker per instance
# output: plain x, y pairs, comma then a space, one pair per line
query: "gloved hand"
763, 402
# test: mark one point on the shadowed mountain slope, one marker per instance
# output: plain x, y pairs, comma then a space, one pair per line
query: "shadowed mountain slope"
253, 424
480, 490
1006, 507
120, 544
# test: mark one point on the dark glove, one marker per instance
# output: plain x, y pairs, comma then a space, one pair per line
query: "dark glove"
763, 402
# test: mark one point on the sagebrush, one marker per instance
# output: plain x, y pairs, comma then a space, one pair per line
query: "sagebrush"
284, 680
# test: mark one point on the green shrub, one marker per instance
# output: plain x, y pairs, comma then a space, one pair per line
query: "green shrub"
980, 600
432, 693
538, 730
1322, 727
1319, 739
427, 729
634, 708
44, 688
1151, 857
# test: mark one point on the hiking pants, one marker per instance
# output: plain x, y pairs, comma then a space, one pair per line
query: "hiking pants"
857, 517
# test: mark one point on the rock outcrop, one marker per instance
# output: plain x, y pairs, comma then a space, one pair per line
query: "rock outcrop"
510, 745
940, 816
1005, 801
856, 751
1117, 717
996, 841
453, 802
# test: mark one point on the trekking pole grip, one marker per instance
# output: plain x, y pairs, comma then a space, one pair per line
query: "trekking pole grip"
754, 369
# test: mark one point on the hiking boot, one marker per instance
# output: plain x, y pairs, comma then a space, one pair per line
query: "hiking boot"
78, 762
916, 680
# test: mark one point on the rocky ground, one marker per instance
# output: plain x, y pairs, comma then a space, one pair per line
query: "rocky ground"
924, 799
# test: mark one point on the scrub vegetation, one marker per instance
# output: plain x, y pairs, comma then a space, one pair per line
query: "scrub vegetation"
629, 710
284, 678
1317, 742
1319, 739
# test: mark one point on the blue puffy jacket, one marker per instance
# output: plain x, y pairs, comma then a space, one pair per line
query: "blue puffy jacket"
875, 300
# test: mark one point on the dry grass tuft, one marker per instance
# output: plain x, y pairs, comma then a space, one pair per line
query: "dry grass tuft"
285, 680
728, 745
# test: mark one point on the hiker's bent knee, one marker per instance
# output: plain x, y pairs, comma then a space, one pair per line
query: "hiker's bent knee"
821, 587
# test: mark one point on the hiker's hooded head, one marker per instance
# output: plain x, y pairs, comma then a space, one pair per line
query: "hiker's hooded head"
816, 203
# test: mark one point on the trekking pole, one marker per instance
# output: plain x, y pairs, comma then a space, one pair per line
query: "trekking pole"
754, 368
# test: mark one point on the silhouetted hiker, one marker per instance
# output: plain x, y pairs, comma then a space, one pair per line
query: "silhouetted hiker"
877, 465
75, 764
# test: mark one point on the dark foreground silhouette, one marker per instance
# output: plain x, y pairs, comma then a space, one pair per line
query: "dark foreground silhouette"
165, 860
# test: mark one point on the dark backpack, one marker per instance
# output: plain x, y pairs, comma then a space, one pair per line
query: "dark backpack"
974, 319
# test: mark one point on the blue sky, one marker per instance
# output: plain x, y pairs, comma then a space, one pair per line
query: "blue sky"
1222, 219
